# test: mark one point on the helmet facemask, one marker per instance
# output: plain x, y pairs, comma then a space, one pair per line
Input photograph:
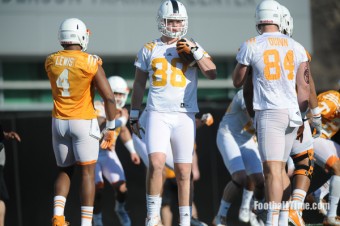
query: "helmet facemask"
172, 10
120, 89
121, 99
287, 22
172, 32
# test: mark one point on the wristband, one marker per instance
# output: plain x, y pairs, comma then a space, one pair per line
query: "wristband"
315, 111
134, 114
129, 146
197, 53
111, 125
121, 121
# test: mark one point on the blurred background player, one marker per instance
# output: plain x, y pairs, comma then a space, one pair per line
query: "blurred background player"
10, 135
108, 165
237, 144
171, 104
74, 75
280, 73
327, 151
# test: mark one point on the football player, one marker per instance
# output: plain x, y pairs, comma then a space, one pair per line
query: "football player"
327, 151
74, 75
171, 104
279, 67
237, 144
108, 165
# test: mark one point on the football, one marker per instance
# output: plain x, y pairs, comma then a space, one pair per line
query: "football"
185, 54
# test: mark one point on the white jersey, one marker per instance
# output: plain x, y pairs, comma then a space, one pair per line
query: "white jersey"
172, 84
100, 109
275, 59
236, 119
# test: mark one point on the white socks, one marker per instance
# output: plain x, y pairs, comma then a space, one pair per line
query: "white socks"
184, 215
246, 198
153, 205
224, 207
334, 195
59, 205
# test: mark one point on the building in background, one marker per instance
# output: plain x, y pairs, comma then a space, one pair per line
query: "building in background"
119, 28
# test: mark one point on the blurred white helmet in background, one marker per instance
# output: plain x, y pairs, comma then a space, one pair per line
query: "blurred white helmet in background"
73, 31
287, 22
268, 12
119, 86
172, 10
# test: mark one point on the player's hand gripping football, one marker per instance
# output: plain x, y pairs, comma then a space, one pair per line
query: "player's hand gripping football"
185, 46
134, 122
189, 52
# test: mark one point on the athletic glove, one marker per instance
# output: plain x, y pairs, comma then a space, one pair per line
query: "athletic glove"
134, 122
188, 50
108, 135
316, 122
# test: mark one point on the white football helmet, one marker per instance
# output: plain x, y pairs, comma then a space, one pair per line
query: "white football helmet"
120, 89
74, 31
172, 10
268, 12
287, 22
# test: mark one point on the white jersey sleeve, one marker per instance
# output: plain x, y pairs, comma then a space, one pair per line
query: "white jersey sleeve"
236, 119
172, 84
100, 109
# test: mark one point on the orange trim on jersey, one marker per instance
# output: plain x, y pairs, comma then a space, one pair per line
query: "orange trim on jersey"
251, 41
330, 161
150, 46
86, 163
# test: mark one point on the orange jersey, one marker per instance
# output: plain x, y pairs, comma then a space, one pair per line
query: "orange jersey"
329, 104
71, 73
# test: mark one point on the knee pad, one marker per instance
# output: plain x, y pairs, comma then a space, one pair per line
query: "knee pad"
302, 169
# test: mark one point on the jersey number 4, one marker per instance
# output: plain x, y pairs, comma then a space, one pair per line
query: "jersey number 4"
272, 69
62, 82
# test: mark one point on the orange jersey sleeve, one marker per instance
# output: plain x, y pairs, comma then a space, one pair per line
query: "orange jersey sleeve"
329, 104
71, 73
